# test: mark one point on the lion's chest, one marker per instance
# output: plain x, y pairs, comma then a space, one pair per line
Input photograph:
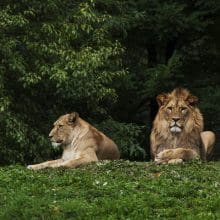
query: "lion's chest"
178, 142
168, 144
175, 143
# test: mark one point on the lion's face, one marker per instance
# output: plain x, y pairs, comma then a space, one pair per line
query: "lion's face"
176, 114
176, 110
63, 130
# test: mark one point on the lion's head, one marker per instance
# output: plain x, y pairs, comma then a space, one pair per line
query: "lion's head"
63, 130
178, 112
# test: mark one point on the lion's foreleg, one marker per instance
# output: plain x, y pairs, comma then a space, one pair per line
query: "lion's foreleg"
44, 165
176, 155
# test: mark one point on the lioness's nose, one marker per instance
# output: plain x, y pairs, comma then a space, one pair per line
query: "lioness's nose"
50, 136
176, 119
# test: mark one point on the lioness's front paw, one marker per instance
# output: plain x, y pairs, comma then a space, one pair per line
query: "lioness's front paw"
33, 167
30, 167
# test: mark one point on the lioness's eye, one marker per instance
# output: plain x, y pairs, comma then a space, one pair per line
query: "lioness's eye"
60, 126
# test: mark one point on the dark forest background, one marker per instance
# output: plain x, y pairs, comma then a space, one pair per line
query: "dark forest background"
107, 60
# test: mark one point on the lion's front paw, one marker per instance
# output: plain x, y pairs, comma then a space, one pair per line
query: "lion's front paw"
165, 155
160, 161
175, 161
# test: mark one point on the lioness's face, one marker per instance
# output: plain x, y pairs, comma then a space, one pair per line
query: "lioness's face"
62, 132
176, 113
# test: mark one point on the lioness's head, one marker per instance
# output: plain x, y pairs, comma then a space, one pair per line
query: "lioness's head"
62, 132
177, 110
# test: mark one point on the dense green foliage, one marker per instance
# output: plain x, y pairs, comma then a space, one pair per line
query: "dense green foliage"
105, 59
112, 190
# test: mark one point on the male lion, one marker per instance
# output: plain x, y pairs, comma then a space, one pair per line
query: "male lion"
177, 134
82, 143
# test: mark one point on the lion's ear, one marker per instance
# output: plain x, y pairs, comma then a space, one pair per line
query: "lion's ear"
162, 99
73, 117
193, 100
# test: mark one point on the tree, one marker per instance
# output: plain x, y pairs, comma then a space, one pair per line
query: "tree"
105, 59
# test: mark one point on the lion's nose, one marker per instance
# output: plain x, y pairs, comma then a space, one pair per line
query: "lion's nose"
50, 136
176, 119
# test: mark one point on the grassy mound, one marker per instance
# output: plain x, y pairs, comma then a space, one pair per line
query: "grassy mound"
112, 190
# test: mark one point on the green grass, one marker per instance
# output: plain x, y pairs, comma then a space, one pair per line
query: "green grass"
112, 190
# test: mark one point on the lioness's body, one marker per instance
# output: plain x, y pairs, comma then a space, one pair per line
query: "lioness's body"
81, 142
177, 132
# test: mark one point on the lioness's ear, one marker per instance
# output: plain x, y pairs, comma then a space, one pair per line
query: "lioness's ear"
162, 99
73, 117
193, 100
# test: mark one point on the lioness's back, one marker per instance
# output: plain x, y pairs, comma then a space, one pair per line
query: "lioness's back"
83, 136
109, 150
106, 148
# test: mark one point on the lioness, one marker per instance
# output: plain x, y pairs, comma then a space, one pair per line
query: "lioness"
177, 134
81, 142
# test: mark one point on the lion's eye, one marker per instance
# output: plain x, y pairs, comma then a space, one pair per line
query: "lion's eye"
60, 126
183, 109
169, 109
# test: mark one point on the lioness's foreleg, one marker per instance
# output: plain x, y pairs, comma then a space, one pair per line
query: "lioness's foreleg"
81, 160
45, 164
208, 141
176, 155
84, 158
76, 163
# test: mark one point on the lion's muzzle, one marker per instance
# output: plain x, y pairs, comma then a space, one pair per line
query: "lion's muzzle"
175, 127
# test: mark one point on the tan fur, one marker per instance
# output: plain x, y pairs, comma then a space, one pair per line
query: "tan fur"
177, 132
208, 141
81, 142
174, 155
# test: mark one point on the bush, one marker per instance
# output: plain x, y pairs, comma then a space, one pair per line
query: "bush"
130, 138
